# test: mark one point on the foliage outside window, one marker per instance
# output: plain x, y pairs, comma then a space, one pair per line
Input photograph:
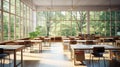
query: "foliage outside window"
69, 23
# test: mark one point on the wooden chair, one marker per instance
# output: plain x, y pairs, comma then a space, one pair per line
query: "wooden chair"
90, 42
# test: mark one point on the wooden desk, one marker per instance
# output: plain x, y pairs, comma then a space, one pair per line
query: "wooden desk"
117, 43
14, 48
79, 41
35, 41
90, 47
39, 42
105, 39
47, 40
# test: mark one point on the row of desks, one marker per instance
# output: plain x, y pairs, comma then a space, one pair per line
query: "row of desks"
90, 47
79, 41
34, 41
15, 48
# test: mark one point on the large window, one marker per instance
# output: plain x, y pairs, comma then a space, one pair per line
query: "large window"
70, 23
104, 23
0, 27
16, 20
61, 23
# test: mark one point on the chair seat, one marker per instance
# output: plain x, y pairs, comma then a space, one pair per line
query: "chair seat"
3, 55
79, 52
98, 54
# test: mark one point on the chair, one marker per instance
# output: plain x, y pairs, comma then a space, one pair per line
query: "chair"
28, 43
2, 56
90, 42
72, 42
72, 38
98, 52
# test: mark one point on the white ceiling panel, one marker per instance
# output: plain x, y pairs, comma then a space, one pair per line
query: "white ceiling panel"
76, 3
42, 2
91, 2
62, 2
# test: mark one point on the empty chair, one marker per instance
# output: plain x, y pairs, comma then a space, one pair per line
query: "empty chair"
73, 42
72, 38
2, 56
28, 43
98, 52
90, 42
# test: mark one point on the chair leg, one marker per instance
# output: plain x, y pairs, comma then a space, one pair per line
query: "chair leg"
92, 63
90, 56
99, 61
74, 60
9, 61
104, 62
3, 62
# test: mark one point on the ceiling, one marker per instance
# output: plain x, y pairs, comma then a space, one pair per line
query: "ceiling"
76, 4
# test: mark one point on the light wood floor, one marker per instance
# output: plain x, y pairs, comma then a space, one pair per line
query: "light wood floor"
55, 56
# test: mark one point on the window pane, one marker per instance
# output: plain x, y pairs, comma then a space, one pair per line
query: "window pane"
12, 22
18, 7
5, 25
12, 2
0, 4
12, 9
17, 27
6, 5
0, 27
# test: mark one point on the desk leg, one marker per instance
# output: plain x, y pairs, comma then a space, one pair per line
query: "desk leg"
49, 43
110, 54
71, 51
21, 58
40, 47
15, 59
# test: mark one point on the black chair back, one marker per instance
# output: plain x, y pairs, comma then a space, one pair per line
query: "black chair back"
98, 49
1, 50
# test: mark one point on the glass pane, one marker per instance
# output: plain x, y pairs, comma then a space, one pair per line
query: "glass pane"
12, 9
66, 28
12, 22
18, 7
117, 15
7, 0
6, 5
5, 25
118, 28
0, 4
17, 27
12, 2
22, 29
0, 27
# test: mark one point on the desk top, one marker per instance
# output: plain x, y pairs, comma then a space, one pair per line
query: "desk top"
80, 40
28, 40
12, 47
107, 38
90, 47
